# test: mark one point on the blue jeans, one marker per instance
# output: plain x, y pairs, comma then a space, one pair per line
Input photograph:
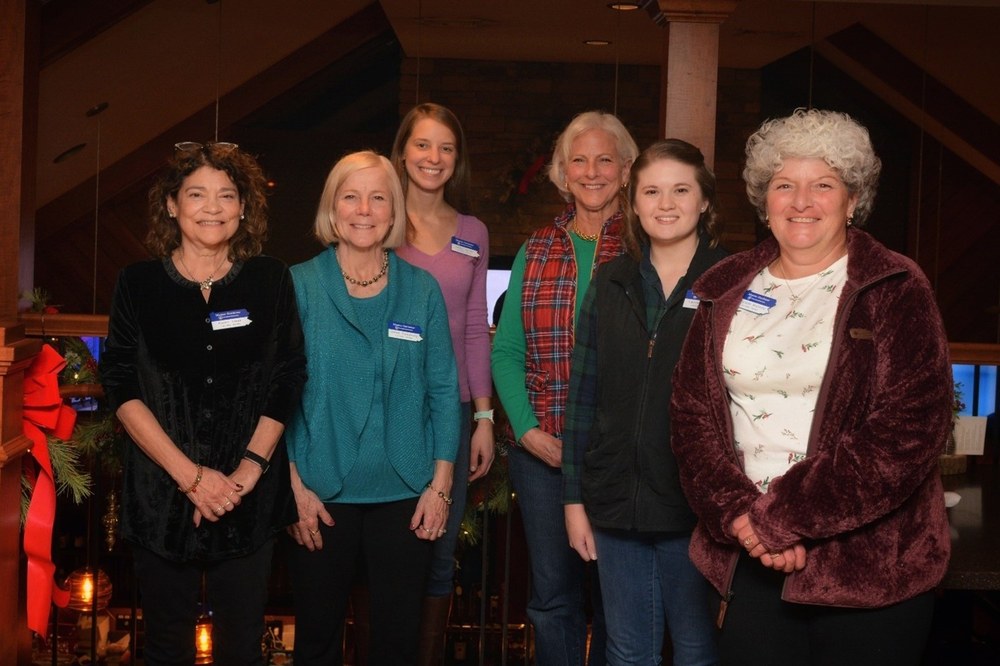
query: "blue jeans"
441, 577
648, 583
558, 575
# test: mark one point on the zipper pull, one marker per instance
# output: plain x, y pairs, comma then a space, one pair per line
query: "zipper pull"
652, 343
723, 607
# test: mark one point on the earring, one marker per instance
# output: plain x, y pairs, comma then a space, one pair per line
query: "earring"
850, 220
767, 222
242, 216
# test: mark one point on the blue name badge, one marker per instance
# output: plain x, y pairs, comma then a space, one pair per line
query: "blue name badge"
468, 248
755, 303
402, 331
229, 319
691, 300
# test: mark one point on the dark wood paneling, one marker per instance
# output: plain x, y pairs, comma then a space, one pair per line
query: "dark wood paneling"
67, 24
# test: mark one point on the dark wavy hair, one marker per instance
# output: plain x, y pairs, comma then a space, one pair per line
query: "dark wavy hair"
164, 236
456, 190
635, 236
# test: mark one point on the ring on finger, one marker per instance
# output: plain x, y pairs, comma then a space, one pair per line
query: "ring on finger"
219, 510
228, 503
747, 541
314, 532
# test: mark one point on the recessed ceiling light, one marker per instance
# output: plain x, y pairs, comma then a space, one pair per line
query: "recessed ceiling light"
623, 6
596, 42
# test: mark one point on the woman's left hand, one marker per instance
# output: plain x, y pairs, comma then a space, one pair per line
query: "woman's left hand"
483, 450
788, 560
430, 520
215, 496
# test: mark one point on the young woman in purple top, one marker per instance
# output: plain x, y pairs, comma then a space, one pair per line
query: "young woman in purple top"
430, 157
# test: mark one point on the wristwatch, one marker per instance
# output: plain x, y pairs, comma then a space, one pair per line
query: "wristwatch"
485, 414
258, 460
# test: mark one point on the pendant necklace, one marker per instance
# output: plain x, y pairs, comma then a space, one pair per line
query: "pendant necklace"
784, 278
365, 283
207, 283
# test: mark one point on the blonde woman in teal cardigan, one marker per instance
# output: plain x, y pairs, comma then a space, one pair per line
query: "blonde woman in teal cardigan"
373, 445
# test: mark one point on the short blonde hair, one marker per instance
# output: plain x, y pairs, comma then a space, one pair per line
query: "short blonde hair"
325, 226
834, 137
584, 122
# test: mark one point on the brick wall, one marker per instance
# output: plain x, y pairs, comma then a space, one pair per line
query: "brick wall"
513, 112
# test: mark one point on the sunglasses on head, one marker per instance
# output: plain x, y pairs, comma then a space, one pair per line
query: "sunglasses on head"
191, 146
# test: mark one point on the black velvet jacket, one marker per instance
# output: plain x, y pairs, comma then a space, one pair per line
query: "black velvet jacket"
208, 385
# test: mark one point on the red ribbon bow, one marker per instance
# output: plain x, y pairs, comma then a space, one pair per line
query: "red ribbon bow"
44, 412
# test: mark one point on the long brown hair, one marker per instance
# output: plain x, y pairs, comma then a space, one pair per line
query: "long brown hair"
456, 190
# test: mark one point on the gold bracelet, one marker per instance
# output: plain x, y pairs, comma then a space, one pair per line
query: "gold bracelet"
194, 486
440, 493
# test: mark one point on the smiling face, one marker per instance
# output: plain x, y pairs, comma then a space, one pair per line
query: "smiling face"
668, 201
362, 211
595, 173
430, 155
807, 209
207, 208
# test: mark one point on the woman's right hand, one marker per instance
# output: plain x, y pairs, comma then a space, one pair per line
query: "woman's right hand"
543, 446
311, 513
581, 535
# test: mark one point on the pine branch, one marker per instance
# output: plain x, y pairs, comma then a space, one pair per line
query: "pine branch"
71, 479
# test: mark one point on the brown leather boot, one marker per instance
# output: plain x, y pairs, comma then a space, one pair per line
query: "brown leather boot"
433, 625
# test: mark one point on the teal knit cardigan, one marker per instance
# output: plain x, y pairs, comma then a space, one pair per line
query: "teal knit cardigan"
420, 380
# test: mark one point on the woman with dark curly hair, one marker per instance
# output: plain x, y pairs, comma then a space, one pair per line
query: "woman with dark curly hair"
204, 364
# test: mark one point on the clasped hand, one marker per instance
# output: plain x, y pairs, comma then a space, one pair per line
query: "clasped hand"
787, 560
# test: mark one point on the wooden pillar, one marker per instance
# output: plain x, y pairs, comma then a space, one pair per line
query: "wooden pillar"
691, 70
18, 110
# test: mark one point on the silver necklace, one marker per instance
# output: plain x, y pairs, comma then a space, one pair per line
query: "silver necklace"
365, 283
207, 283
784, 278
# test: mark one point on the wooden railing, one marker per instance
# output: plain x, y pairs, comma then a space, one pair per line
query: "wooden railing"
60, 325
975, 353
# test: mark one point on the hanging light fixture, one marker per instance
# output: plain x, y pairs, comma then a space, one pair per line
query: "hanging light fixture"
84, 585
203, 640
95, 112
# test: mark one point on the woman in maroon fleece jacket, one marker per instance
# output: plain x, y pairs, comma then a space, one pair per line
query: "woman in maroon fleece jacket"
810, 405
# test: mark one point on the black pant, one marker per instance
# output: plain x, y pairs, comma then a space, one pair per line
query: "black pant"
760, 628
396, 564
236, 592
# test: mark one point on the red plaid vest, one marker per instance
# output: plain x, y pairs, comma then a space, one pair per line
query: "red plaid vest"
548, 300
